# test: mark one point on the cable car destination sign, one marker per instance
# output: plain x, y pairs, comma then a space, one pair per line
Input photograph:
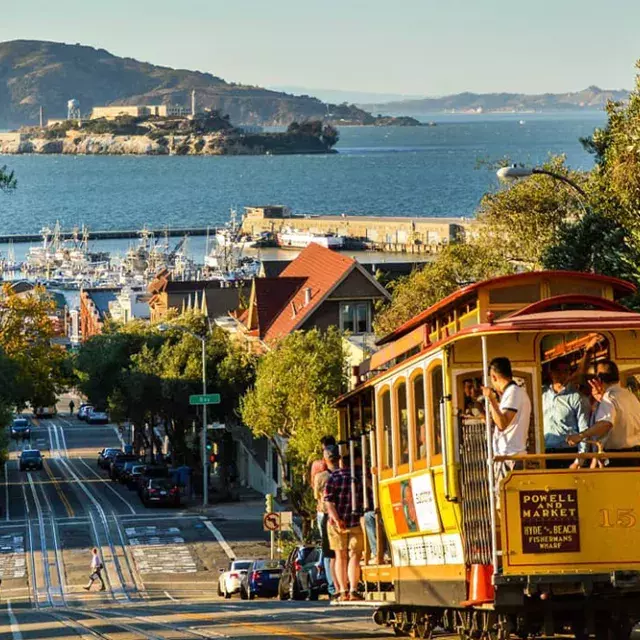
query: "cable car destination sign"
549, 521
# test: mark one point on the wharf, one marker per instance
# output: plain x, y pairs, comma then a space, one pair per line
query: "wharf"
114, 234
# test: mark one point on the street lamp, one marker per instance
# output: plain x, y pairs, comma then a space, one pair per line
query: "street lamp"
517, 171
203, 435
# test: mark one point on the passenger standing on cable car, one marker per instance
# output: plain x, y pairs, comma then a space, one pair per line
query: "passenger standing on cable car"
617, 417
565, 412
511, 411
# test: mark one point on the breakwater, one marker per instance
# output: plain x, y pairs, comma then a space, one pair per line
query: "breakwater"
113, 234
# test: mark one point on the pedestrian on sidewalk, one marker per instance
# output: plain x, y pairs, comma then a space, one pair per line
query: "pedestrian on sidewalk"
72, 406
96, 571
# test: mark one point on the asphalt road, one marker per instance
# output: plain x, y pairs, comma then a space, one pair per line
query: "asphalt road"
161, 565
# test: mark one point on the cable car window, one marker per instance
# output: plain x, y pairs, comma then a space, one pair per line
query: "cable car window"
419, 427
436, 422
403, 422
385, 414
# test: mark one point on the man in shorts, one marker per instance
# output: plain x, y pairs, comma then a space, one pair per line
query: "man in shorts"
344, 530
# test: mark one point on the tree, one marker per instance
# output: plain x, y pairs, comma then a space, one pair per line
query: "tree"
455, 266
291, 405
26, 337
8, 181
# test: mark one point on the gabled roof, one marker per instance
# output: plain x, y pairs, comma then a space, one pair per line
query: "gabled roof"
322, 270
268, 298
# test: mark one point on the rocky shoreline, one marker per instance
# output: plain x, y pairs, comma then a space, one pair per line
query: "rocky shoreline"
215, 144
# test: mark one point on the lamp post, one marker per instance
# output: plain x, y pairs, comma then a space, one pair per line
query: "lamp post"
514, 172
203, 435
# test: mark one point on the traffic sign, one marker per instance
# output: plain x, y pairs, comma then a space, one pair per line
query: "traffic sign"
209, 398
271, 521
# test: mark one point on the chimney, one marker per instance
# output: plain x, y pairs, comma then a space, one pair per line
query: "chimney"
307, 296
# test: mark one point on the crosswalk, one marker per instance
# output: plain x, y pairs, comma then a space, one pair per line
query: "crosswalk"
12, 557
160, 550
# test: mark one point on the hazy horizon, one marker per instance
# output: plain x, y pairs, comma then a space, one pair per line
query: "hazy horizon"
420, 48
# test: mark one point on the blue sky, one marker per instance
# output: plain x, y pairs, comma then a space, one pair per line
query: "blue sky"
419, 47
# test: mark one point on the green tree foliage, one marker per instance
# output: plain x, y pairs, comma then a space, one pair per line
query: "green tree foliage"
291, 403
455, 266
26, 334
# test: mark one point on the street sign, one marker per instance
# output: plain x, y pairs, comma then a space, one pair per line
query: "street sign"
286, 520
271, 521
209, 398
217, 425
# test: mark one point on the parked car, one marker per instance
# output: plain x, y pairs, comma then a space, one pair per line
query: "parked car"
160, 491
30, 459
261, 579
105, 456
229, 580
117, 464
151, 471
303, 575
96, 417
21, 429
130, 476
83, 410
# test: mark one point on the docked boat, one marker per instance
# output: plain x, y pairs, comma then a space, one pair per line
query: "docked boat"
293, 239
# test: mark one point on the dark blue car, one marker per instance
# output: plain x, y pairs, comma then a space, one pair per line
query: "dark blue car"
261, 579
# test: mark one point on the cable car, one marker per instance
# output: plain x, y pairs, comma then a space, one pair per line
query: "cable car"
539, 551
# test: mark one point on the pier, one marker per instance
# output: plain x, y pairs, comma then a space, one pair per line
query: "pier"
113, 234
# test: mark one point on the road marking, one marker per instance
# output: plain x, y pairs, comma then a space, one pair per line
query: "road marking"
108, 485
166, 593
218, 536
59, 491
6, 490
13, 621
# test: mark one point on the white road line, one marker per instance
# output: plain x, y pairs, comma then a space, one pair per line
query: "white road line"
218, 536
6, 490
13, 621
107, 483
166, 593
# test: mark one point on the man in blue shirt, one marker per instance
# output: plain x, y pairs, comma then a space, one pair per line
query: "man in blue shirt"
565, 411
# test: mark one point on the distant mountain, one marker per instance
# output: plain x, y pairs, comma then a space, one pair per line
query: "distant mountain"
339, 95
39, 73
589, 98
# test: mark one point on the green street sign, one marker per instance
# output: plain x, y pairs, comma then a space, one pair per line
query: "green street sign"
210, 398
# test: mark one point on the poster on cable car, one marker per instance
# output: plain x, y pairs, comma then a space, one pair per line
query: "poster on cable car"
549, 521
414, 505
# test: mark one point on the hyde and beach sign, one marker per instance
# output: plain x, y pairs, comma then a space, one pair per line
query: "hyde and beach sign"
549, 521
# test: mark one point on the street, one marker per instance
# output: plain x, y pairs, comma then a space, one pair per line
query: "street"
161, 565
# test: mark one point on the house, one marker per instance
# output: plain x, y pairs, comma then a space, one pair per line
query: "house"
318, 289
214, 298
130, 304
94, 310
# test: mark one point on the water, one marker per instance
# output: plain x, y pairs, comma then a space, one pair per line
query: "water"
427, 171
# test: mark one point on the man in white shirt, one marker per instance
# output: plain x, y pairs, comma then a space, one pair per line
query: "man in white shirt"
617, 417
96, 571
511, 412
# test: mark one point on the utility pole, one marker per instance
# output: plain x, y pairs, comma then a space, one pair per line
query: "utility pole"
205, 461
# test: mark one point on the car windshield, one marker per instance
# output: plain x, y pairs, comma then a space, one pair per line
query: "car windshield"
20, 422
31, 453
240, 566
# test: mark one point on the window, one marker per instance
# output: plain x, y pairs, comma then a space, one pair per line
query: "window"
355, 317
403, 422
385, 414
436, 396
419, 426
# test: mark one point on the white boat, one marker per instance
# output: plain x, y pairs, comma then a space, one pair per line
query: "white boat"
291, 238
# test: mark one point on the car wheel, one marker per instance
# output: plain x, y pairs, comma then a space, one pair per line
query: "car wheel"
243, 594
219, 589
252, 595
227, 595
313, 594
21, 468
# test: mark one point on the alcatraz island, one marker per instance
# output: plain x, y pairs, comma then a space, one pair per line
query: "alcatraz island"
163, 130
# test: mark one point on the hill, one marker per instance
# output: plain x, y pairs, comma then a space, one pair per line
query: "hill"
589, 98
49, 74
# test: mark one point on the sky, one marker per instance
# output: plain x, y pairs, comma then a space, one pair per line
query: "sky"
413, 47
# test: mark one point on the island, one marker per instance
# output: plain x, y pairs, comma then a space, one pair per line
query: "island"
207, 133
